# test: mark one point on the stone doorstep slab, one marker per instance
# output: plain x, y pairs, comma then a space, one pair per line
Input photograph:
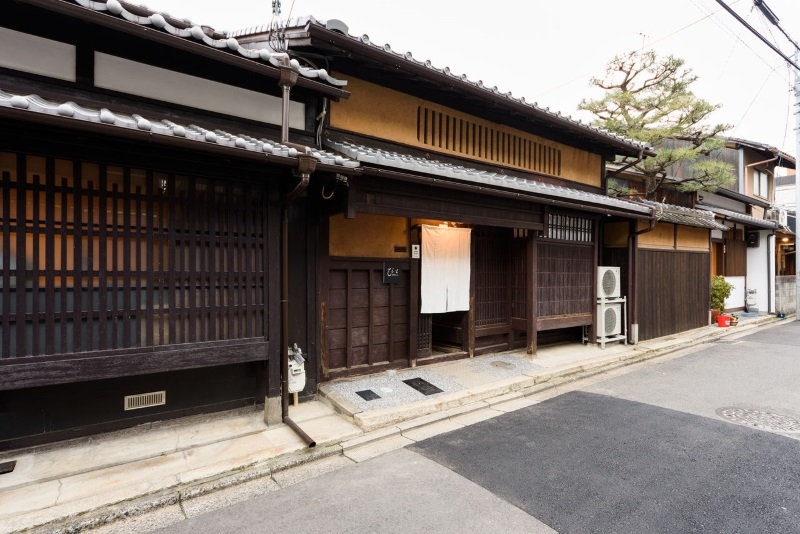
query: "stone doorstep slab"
370, 420
432, 409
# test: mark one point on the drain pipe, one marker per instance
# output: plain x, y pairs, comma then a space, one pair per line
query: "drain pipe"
306, 165
305, 177
633, 315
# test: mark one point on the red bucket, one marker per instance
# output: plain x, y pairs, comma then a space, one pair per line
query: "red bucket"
723, 320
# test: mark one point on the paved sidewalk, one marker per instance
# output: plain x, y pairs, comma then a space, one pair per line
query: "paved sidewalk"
156, 474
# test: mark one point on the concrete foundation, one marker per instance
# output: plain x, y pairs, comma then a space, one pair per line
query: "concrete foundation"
272, 411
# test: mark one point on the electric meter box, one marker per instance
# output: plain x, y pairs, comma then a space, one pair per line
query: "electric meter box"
297, 372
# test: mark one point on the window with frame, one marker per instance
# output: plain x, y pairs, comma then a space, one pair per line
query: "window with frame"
760, 183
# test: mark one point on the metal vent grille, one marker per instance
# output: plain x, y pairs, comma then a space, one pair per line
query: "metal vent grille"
145, 400
609, 282
610, 321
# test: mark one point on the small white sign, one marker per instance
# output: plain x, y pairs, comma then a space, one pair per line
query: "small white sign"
415, 251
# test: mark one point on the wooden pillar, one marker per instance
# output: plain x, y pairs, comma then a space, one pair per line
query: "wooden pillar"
271, 259
413, 299
469, 343
531, 287
323, 267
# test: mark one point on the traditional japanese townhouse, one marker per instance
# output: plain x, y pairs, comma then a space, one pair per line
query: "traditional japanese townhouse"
748, 255
664, 266
474, 225
146, 175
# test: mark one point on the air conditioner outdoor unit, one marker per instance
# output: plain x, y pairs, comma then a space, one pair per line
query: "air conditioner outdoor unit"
777, 214
608, 282
609, 319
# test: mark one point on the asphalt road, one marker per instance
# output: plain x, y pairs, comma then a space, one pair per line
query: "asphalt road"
708, 442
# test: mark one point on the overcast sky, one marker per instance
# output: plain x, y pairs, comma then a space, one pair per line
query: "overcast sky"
548, 51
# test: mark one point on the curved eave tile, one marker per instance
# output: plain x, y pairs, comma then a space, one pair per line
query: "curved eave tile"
682, 215
742, 218
164, 128
185, 29
368, 155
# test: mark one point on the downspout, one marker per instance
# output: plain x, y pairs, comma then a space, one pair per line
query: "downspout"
306, 165
633, 276
633, 333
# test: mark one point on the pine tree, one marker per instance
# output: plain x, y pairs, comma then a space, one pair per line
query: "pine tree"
649, 98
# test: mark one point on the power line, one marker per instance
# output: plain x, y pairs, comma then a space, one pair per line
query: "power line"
773, 18
755, 32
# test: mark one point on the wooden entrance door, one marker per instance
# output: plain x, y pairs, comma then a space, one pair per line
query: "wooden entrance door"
365, 321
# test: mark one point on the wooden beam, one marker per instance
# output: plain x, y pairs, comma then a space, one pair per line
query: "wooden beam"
21, 373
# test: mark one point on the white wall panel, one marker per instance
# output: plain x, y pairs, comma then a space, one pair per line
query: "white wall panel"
123, 75
37, 55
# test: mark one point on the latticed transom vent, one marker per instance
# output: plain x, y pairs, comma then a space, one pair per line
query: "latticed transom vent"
447, 132
760, 419
145, 400
610, 321
568, 228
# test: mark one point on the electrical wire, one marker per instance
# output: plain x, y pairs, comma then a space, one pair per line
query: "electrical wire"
755, 32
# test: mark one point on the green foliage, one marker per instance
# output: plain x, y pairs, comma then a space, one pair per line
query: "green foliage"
720, 290
648, 98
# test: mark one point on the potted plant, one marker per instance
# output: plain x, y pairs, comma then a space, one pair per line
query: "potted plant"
720, 290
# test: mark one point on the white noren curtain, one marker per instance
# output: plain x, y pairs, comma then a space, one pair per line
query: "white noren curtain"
445, 269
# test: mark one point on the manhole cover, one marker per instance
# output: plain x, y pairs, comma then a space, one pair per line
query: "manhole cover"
760, 419
503, 365
368, 395
423, 386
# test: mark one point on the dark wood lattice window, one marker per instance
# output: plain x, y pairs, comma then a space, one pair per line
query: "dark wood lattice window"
570, 228
492, 276
565, 276
98, 257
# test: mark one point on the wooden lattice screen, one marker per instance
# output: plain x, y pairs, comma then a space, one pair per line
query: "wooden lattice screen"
492, 276
101, 257
565, 279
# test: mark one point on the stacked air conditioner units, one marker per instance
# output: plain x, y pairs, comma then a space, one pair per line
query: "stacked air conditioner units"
611, 307
609, 315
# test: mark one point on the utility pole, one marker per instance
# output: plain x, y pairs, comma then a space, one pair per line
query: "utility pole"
796, 177
774, 20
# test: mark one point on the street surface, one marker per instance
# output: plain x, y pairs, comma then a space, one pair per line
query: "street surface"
706, 442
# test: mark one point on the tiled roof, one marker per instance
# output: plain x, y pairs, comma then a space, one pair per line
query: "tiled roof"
684, 216
393, 57
784, 159
188, 30
741, 217
406, 162
162, 128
